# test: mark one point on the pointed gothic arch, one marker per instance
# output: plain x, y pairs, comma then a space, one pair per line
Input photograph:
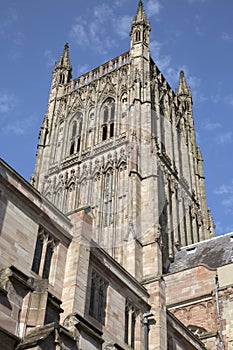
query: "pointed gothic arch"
137, 35
90, 134
58, 198
70, 197
75, 134
108, 118
58, 140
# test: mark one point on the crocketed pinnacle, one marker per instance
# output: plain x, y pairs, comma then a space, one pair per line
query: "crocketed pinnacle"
183, 88
140, 16
64, 61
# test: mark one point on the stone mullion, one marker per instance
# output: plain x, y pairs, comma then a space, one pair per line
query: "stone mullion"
43, 255
54, 139
189, 225
174, 215
124, 216
168, 231
194, 225
170, 215
66, 130
130, 325
114, 211
101, 209
182, 222
176, 208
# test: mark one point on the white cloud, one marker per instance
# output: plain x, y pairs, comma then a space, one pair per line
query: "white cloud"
122, 26
7, 20
102, 12
228, 204
229, 100
95, 33
211, 126
226, 192
83, 69
224, 138
49, 58
7, 102
118, 3
153, 8
195, 1
172, 73
19, 127
226, 37
224, 189
79, 31
163, 61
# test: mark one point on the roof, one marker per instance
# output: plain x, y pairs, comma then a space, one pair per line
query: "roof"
214, 252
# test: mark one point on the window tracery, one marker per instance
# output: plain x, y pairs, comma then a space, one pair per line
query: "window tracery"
137, 35
43, 253
75, 135
98, 294
108, 117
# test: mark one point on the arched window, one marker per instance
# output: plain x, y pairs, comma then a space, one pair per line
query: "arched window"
59, 142
108, 193
137, 35
75, 135
62, 78
105, 132
58, 199
74, 129
108, 117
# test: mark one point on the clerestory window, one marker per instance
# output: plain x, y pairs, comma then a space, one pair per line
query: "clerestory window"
130, 324
43, 253
98, 294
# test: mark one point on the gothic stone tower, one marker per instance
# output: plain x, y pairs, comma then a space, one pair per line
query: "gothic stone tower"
119, 139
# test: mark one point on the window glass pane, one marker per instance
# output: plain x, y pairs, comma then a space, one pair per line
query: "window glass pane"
37, 255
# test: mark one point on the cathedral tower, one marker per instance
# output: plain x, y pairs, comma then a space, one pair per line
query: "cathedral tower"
119, 139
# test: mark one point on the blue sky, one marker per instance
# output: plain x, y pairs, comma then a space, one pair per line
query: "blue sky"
194, 35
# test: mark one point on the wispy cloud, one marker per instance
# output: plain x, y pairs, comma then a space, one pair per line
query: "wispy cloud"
102, 12
50, 59
83, 69
19, 127
211, 126
196, 1
7, 103
153, 8
229, 100
6, 20
224, 189
94, 32
9, 116
224, 138
163, 61
119, 3
226, 192
219, 98
122, 26
171, 72
226, 37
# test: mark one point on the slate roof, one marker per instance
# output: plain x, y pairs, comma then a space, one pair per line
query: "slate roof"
214, 252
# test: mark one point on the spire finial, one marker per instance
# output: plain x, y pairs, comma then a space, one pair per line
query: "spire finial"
140, 12
64, 60
183, 88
